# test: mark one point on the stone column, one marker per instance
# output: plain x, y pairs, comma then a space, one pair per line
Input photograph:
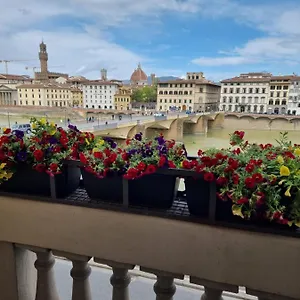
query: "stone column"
1, 97
17, 272
45, 288
213, 290
120, 278
164, 287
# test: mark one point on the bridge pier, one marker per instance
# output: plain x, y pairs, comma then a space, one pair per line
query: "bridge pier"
175, 131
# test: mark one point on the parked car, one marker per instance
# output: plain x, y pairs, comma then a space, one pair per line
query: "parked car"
26, 128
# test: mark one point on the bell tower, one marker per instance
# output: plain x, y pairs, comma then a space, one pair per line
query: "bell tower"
43, 56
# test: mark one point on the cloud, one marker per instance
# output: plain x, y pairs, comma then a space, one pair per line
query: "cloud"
223, 61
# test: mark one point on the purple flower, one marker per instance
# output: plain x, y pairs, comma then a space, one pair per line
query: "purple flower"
53, 140
160, 140
163, 150
21, 156
73, 127
149, 152
113, 145
138, 136
19, 134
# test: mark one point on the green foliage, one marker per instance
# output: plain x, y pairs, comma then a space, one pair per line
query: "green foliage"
145, 94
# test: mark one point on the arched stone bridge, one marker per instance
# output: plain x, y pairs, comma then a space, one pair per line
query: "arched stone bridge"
262, 121
172, 127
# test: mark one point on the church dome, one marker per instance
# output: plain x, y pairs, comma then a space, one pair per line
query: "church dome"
138, 75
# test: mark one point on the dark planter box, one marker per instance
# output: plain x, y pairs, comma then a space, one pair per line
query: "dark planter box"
151, 191
198, 199
108, 189
30, 182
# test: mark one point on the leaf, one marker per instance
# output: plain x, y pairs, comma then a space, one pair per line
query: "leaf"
237, 211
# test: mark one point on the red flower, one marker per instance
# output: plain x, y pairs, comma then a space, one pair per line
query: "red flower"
141, 166
98, 155
127, 141
257, 177
200, 152
219, 156
124, 156
186, 164
171, 164
221, 181
82, 158
235, 178
40, 167
240, 134
56, 149
7, 131
205, 160
38, 155
250, 168
132, 173
199, 168
260, 199
234, 164
53, 167
151, 169
243, 200
107, 152
107, 162
250, 183
113, 156
209, 177
289, 154
237, 151
162, 161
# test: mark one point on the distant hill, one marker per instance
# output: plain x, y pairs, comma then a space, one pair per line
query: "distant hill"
162, 78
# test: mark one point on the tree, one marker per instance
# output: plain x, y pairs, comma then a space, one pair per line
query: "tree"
145, 94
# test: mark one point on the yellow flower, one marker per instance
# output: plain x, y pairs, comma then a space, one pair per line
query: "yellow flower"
2, 166
284, 171
87, 141
33, 125
52, 131
4, 129
95, 150
297, 151
287, 192
52, 124
280, 159
100, 142
43, 121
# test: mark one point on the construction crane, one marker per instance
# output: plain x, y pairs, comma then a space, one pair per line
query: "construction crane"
34, 68
4, 61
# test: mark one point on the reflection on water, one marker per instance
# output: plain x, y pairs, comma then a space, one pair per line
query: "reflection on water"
219, 138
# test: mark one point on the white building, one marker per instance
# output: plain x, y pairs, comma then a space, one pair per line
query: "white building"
8, 88
99, 94
246, 93
294, 96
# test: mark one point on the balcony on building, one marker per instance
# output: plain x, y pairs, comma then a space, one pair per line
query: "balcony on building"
172, 246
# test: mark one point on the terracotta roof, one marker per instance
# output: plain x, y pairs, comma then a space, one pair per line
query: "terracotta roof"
138, 75
245, 79
184, 81
284, 77
15, 77
44, 85
99, 82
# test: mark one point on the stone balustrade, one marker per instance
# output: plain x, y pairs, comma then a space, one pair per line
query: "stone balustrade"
221, 259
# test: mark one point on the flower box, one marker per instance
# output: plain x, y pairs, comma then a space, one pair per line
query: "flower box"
151, 191
198, 200
28, 181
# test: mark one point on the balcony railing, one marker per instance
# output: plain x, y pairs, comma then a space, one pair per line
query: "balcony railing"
168, 244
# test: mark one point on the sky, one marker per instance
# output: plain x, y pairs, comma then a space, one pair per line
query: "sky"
221, 38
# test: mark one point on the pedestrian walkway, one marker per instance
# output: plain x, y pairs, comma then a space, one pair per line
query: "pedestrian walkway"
141, 286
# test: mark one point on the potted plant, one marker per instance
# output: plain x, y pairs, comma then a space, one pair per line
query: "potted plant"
146, 156
36, 158
103, 166
254, 182
106, 165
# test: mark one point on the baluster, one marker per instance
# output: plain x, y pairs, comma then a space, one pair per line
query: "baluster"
213, 290
164, 286
45, 288
120, 278
80, 273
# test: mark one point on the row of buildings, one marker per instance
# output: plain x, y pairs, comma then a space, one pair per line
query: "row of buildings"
250, 93
59, 90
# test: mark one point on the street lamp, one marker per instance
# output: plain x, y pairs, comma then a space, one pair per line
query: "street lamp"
8, 119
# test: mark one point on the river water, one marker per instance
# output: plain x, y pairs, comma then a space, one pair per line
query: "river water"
219, 138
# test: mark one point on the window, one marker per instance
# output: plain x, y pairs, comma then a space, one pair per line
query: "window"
231, 90
40, 103
201, 90
257, 90
238, 90
277, 102
20, 95
272, 87
285, 87
284, 94
278, 94
271, 102
283, 102
263, 90
33, 103
279, 87
225, 91
272, 94
250, 90
48, 103
244, 90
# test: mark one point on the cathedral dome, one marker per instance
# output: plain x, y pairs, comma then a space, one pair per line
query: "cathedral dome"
138, 75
